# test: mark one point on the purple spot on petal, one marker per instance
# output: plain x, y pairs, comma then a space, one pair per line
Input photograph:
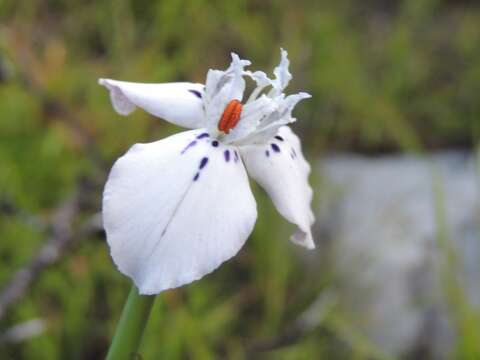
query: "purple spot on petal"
197, 175
267, 153
202, 136
275, 147
193, 143
203, 163
226, 154
196, 93
294, 152
214, 143
278, 137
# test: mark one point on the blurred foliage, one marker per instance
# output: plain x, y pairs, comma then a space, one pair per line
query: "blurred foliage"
384, 75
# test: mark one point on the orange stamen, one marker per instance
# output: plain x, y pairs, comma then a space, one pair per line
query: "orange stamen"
230, 116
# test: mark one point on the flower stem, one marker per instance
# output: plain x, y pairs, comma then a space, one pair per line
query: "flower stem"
131, 326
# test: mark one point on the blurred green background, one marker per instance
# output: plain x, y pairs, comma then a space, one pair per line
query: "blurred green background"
386, 76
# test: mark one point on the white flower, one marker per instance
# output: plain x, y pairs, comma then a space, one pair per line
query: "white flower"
177, 208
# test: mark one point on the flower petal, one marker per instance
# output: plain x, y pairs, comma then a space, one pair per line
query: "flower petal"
175, 209
179, 103
273, 118
221, 87
252, 115
282, 75
280, 168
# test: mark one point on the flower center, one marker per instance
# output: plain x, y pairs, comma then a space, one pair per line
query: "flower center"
230, 116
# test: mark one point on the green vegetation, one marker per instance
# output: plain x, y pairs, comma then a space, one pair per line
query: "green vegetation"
385, 76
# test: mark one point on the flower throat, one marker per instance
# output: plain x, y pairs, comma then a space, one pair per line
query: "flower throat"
230, 116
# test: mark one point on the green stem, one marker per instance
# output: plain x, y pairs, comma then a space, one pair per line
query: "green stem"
130, 327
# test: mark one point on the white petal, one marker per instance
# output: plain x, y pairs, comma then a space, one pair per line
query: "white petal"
170, 216
281, 115
282, 75
237, 85
223, 87
260, 78
252, 115
291, 101
280, 168
179, 103
262, 81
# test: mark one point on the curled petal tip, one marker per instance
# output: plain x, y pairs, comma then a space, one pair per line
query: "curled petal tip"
303, 237
305, 95
261, 78
284, 55
236, 59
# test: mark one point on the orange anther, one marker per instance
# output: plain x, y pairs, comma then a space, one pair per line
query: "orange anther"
230, 116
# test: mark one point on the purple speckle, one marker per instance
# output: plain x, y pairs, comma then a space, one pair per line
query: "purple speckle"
203, 163
278, 137
267, 153
226, 154
196, 93
236, 155
197, 175
193, 143
202, 136
275, 147
214, 143
294, 153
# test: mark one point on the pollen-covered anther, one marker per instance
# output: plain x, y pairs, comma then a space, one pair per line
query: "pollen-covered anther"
230, 116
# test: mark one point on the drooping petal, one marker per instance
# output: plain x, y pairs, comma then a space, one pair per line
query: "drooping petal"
175, 209
280, 168
179, 103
